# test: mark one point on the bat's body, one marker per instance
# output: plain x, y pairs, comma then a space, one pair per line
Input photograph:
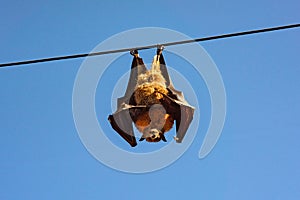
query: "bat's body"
151, 103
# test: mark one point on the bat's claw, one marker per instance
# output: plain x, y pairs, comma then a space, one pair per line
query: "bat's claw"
134, 52
160, 48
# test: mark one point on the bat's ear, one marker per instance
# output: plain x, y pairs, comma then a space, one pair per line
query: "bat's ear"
163, 138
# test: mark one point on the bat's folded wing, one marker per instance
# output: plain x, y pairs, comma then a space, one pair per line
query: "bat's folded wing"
183, 119
181, 111
121, 122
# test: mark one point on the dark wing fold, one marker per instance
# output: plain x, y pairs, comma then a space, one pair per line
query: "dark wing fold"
178, 95
176, 105
183, 121
163, 69
137, 67
182, 113
121, 122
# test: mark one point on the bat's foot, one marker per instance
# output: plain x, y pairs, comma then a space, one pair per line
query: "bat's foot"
160, 48
134, 52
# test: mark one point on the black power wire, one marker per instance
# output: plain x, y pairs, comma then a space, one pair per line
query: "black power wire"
151, 46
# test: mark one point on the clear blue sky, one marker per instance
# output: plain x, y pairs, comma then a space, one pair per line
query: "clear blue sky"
257, 156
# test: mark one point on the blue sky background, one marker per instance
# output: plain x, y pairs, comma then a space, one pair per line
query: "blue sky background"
257, 156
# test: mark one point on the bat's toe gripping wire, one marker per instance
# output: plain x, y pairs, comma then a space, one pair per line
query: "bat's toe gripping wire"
160, 48
134, 52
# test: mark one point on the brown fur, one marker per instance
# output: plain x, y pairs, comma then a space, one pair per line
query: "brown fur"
144, 121
150, 89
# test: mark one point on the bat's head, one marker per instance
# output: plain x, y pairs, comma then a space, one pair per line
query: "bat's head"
154, 123
153, 135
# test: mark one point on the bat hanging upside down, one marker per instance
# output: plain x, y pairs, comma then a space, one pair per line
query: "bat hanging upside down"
152, 103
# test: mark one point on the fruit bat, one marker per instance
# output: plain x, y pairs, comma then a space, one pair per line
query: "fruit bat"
152, 103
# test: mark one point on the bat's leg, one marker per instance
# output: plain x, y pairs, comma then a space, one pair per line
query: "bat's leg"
137, 67
175, 94
137, 63
163, 67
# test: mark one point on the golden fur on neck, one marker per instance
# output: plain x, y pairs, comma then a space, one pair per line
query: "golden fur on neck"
151, 85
